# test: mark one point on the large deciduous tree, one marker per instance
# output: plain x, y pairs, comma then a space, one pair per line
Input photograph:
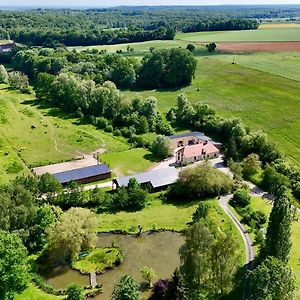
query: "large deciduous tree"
74, 231
160, 147
14, 273
273, 279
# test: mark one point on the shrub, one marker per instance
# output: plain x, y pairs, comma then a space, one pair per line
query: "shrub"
148, 275
241, 198
160, 147
200, 213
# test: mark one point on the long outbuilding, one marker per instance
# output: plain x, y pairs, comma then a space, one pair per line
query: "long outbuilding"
84, 175
155, 179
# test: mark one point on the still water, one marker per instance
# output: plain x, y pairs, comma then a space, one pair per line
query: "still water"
156, 250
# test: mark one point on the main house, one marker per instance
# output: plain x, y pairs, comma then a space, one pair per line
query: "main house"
187, 139
193, 153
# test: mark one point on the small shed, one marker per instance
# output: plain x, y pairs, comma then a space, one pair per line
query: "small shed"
84, 175
156, 179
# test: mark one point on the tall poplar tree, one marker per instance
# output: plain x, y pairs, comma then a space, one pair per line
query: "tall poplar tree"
278, 238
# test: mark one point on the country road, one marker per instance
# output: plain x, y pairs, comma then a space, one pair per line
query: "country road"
223, 201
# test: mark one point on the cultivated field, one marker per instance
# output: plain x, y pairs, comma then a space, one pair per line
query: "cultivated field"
264, 101
279, 25
260, 35
258, 47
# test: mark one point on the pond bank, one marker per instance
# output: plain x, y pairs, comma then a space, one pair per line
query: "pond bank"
157, 250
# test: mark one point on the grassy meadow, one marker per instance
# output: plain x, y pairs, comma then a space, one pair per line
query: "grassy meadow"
33, 135
260, 35
138, 48
33, 293
285, 64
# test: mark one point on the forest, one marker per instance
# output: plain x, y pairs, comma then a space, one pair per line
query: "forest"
51, 28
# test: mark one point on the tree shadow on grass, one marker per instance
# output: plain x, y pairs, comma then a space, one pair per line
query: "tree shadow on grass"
151, 157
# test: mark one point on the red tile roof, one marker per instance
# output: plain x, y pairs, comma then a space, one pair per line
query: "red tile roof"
196, 150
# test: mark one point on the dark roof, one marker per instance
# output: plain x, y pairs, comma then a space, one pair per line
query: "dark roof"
197, 134
81, 173
157, 178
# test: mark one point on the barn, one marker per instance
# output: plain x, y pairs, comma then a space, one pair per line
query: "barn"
155, 179
84, 175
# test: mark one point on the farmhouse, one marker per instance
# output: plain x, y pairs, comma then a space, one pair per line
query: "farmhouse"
188, 138
84, 175
155, 179
189, 154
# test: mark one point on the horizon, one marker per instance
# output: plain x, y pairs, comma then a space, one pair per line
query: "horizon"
139, 3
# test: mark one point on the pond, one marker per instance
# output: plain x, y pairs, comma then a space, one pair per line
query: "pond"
156, 250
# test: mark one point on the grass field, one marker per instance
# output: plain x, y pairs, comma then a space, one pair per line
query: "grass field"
285, 64
260, 35
37, 135
129, 162
262, 100
33, 293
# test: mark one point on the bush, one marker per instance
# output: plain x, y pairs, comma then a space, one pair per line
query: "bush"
75, 292
101, 122
241, 198
200, 213
109, 128
200, 182
160, 147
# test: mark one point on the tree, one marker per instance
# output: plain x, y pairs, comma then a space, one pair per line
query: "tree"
273, 279
224, 263
190, 47
251, 165
74, 231
211, 47
126, 289
75, 292
200, 213
14, 273
200, 181
278, 237
18, 80
195, 257
148, 275
3, 74
176, 289
160, 147
241, 198
49, 184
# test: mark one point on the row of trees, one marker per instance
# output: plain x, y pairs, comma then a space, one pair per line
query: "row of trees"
86, 37
158, 69
272, 278
221, 25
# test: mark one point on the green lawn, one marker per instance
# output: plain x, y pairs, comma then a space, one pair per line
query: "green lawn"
285, 64
129, 162
140, 48
262, 100
260, 35
33, 293
98, 260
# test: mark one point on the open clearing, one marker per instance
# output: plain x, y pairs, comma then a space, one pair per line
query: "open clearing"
262, 100
259, 47
260, 35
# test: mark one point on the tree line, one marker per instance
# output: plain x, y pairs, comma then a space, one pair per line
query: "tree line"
158, 69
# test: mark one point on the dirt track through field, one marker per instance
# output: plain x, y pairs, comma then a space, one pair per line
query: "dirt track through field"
259, 47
